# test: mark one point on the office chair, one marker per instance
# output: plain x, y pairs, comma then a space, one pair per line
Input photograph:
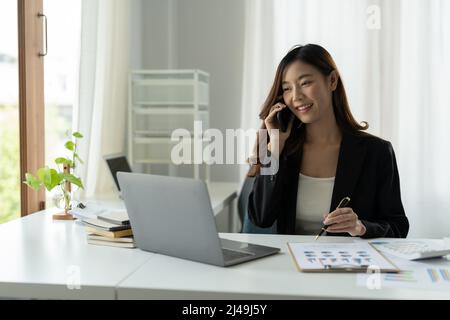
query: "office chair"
247, 225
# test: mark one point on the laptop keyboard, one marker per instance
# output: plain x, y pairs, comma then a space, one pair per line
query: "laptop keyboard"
232, 254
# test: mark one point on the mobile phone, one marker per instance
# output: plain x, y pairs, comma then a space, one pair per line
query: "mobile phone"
283, 117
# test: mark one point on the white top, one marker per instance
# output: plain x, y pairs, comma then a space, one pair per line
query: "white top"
313, 201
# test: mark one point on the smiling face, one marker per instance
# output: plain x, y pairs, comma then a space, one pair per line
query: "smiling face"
307, 92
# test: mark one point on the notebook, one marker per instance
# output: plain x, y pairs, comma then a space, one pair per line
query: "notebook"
104, 225
110, 234
339, 257
119, 217
125, 242
93, 236
111, 243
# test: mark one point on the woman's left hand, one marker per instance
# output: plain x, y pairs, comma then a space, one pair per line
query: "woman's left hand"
344, 220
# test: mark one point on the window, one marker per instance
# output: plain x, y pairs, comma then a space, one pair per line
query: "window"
22, 112
9, 114
61, 76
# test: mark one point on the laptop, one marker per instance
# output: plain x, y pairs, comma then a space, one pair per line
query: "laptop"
173, 216
117, 162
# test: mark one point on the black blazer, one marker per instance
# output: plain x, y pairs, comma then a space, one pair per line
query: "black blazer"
366, 172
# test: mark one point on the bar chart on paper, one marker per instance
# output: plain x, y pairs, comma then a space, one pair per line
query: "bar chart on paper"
439, 275
358, 257
405, 276
433, 278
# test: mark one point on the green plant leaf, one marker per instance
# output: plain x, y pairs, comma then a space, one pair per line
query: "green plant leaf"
49, 178
55, 179
77, 135
65, 161
78, 157
72, 179
62, 161
61, 176
44, 176
32, 181
70, 145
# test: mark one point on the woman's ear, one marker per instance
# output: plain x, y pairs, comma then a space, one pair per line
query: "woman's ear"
334, 77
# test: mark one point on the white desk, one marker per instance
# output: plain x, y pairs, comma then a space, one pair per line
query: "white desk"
42, 258
273, 277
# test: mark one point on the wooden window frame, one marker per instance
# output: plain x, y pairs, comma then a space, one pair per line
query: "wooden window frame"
31, 100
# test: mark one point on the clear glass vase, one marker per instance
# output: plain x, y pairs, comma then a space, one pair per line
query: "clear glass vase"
67, 201
63, 200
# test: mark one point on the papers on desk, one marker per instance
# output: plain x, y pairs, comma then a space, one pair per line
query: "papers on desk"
338, 257
91, 211
94, 211
431, 274
116, 217
105, 225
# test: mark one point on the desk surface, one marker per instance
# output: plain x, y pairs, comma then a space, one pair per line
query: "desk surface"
273, 277
42, 258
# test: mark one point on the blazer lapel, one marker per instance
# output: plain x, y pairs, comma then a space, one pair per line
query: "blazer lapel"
350, 161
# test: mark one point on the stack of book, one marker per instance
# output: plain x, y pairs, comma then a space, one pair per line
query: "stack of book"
123, 242
110, 229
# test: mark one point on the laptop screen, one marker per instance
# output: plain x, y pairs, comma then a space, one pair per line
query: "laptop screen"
116, 164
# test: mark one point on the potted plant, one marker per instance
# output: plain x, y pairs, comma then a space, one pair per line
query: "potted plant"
63, 177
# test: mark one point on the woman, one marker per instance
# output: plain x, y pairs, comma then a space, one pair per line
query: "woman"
324, 156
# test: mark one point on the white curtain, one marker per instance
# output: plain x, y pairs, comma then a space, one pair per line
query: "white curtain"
394, 59
102, 109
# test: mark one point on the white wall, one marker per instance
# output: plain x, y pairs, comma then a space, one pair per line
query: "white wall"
136, 34
197, 34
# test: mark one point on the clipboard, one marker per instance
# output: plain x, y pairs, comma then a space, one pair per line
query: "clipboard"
356, 257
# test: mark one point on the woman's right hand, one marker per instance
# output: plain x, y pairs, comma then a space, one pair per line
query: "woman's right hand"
272, 123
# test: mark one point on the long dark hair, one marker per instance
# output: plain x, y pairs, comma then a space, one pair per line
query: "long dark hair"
321, 59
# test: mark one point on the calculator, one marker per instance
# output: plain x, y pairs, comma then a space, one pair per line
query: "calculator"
412, 250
